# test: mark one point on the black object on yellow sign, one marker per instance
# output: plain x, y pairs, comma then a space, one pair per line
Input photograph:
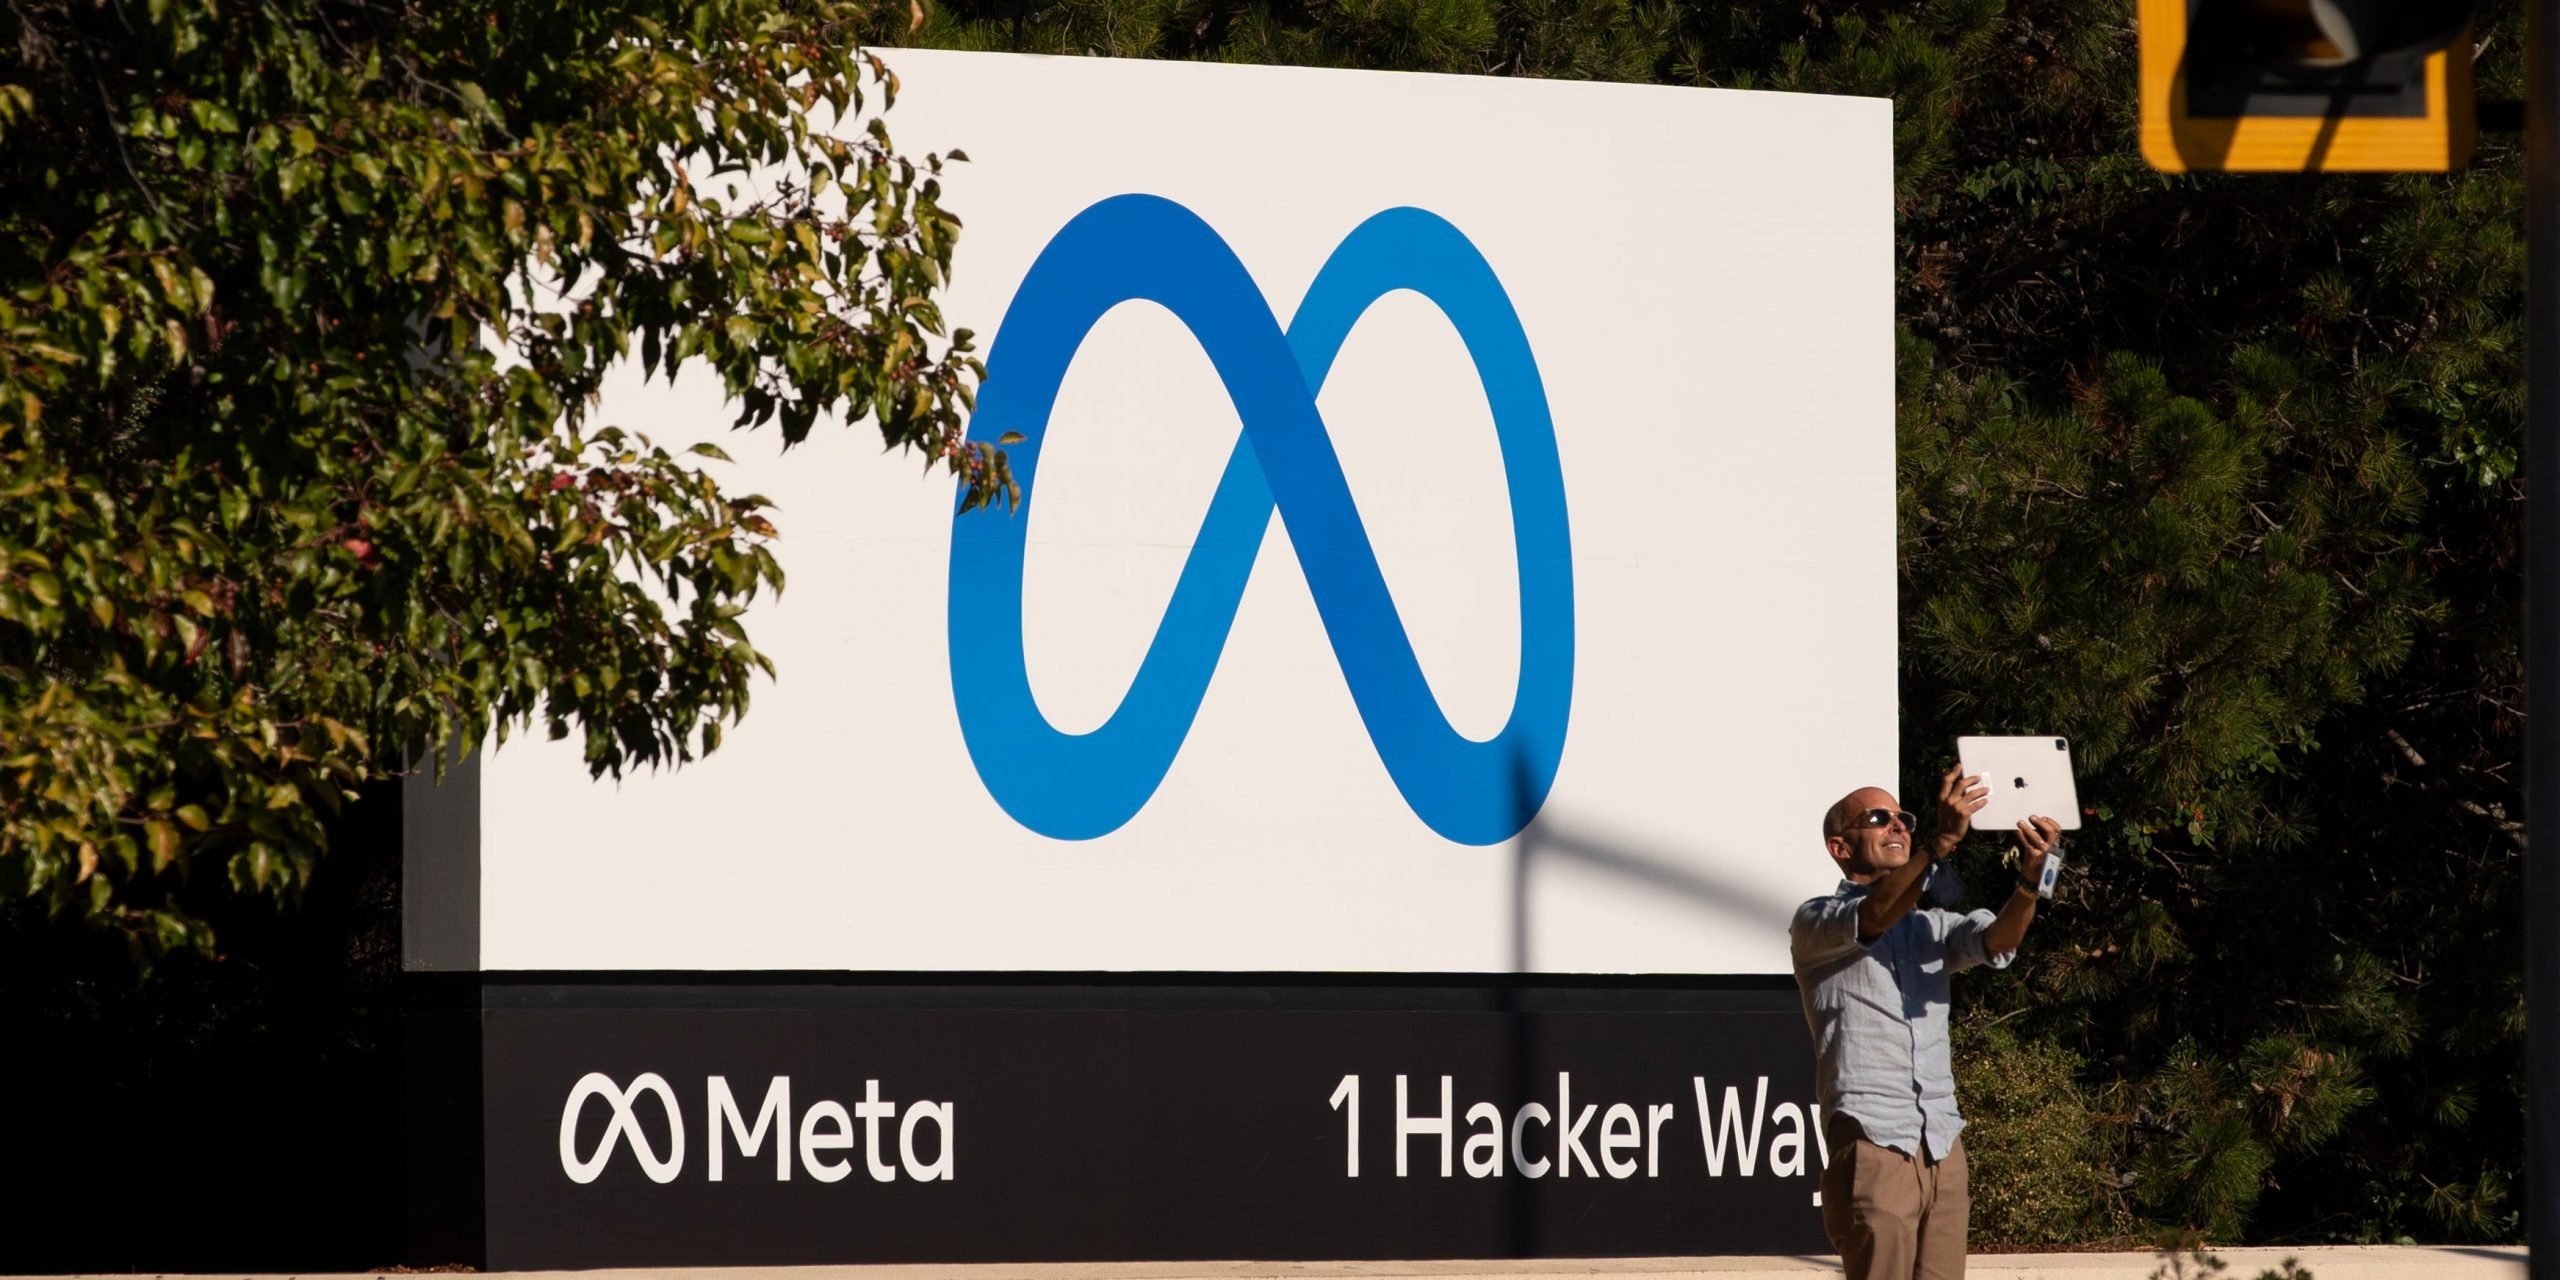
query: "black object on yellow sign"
2306, 86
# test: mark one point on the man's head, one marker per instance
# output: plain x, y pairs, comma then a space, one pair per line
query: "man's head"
1868, 834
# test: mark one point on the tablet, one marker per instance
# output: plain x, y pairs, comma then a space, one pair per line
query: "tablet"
2027, 776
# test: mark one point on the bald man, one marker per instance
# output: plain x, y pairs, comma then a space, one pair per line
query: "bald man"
1872, 965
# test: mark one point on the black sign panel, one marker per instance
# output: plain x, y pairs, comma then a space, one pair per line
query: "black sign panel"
740, 1135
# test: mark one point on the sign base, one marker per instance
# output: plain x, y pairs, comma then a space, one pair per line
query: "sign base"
702, 1120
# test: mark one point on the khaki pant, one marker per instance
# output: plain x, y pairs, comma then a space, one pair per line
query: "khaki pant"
1892, 1216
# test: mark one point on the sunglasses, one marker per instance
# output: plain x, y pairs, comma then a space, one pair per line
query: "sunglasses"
1883, 818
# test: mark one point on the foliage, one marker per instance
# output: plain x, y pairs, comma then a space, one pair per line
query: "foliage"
2215, 475
2027, 1122
2196, 1264
303, 306
286, 1052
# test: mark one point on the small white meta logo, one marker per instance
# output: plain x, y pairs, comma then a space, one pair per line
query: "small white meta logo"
825, 1128
596, 1084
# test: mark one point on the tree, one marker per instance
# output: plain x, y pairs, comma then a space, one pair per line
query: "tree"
2216, 476
303, 309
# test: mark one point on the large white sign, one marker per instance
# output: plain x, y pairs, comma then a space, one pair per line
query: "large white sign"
1459, 537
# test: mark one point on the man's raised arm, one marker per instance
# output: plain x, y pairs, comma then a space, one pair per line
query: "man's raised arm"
1892, 897
2036, 839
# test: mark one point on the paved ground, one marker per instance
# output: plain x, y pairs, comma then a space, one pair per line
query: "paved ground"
2245, 1264
2378, 1263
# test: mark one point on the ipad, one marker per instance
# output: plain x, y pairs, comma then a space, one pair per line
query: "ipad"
2027, 776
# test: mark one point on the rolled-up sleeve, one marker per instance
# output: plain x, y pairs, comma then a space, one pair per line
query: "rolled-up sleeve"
1964, 942
1823, 930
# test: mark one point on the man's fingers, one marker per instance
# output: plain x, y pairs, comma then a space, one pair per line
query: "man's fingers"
2037, 833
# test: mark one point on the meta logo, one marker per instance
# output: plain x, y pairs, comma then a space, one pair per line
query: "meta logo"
1139, 247
922, 1141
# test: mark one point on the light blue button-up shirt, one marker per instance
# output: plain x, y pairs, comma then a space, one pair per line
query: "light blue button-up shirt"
1879, 1015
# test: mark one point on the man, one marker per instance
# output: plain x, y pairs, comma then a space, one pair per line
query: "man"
1872, 965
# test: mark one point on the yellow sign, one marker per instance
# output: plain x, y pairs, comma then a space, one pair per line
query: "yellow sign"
2191, 126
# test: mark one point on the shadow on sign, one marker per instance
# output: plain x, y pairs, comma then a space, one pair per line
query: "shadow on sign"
1545, 838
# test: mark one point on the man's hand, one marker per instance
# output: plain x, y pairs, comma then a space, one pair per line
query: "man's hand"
2037, 837
1960, 796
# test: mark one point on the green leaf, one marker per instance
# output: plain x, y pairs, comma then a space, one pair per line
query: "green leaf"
212, 115
164, 843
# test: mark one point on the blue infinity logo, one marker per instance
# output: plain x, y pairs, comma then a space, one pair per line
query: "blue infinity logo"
1075, 786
